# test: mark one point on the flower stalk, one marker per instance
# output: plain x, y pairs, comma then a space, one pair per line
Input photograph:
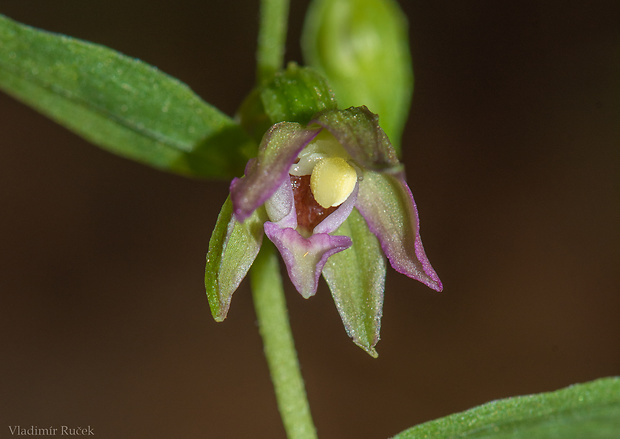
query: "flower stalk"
278, 344
271, 38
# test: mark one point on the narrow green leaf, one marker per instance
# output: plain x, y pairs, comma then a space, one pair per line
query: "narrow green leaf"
119, 103
362, 48
232, 249
356, 278
590, 410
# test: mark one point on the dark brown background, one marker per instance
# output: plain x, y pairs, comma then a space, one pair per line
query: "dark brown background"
512, 152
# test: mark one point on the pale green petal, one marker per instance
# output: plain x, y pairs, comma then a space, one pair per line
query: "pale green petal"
356, 278
232, 250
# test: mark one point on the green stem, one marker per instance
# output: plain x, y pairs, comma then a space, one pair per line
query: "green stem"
271, 37
279, 346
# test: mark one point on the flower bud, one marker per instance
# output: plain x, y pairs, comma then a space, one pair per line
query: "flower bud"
361, 46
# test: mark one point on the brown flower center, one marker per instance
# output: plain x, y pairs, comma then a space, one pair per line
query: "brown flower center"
309, 212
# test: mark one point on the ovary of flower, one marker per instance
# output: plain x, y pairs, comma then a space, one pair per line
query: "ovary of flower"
332, 181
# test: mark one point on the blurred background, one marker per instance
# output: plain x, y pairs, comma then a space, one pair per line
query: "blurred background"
512, 151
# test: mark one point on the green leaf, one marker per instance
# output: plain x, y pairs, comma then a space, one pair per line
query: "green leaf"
362, 48
292, 95
232, 249
590, 410
356, 278
120, 103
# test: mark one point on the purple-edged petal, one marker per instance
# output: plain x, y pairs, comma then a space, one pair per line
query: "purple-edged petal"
358, 131
278, 151
305, 257
338, 216
387, 204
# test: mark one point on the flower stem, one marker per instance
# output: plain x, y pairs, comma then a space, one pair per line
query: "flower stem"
271, 37
279, 346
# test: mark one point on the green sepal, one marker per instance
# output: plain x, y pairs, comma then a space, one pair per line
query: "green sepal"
232, 249
356, 278
291, 95
358, 131
120, 104
590, 410
362, 48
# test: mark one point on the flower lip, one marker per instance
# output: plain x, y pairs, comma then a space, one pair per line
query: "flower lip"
305, 251
305, 257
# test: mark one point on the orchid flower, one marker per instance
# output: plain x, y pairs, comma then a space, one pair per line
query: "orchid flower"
332, 197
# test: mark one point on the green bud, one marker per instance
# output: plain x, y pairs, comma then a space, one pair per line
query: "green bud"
361, 46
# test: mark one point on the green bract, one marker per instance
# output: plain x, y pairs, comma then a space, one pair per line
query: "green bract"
362, 48
292, 95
